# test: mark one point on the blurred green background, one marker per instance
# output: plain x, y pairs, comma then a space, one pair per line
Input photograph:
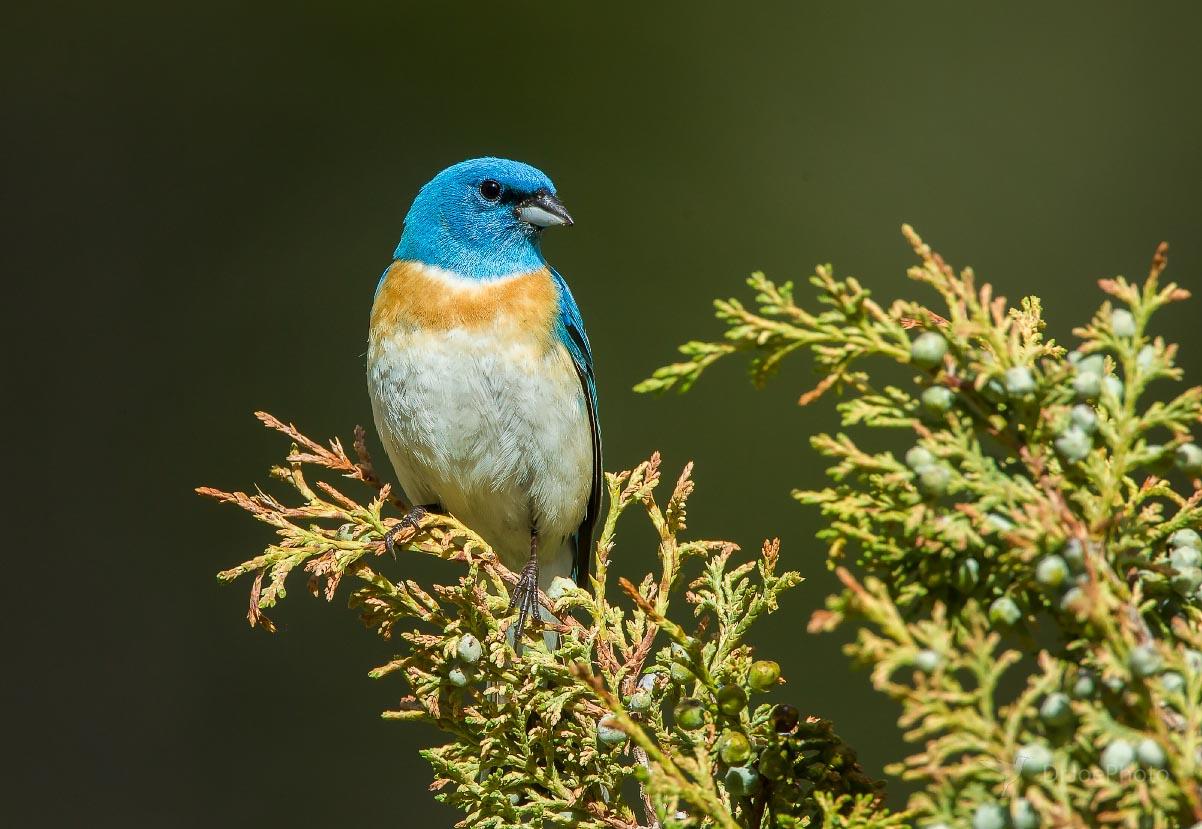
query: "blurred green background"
200, 198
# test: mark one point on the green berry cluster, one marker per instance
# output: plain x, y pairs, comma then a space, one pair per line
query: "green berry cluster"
771, 762
1025, 574
1062, 570
778, 769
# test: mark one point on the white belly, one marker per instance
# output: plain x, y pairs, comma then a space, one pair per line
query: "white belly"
494, 429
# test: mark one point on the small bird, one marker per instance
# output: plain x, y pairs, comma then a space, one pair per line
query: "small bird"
481, 374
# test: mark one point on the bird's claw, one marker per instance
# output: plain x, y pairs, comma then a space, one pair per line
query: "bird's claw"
525, 594
409, 521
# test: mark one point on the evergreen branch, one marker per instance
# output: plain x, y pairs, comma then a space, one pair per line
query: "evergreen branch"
547, 737
1046, 497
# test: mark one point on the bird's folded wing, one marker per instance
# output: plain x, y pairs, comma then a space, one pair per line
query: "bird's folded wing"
576, 341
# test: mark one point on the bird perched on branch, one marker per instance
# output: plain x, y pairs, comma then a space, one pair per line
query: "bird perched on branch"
481, 375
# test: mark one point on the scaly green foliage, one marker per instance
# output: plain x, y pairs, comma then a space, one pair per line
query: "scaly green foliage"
549, 737
1045, 498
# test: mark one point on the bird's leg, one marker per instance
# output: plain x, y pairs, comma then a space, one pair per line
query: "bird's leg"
525, 593
409, 522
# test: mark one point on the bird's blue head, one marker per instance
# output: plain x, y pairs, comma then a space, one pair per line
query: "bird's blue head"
482, 218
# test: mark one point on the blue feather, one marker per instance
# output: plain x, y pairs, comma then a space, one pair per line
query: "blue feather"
572, 334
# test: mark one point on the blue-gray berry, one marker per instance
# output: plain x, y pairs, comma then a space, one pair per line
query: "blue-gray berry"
1084, 418
1150, 753
559, 587
1056, 709
1033, 759
1188, 459
1023, 814
1084, 686
1004, 611
1093, 364
1117, 756
1122, 323
1185, 557
933, 479
1112, 387
1051, 571
938, 399
1186, 538
928, 349
1144, 661
1019, 381
639, 701
918, 457
468, 649
741, 781
989, 816
1087, 385
1174, 683
1145, 358
1073, 443
1187, 580
928, 661
608, 732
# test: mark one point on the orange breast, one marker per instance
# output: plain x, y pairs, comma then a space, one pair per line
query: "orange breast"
417, 297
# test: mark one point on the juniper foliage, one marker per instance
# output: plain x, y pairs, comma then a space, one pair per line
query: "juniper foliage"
1046, 497
634, 720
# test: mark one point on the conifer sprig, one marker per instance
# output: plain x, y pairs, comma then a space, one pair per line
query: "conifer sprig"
548, 737
1045, 497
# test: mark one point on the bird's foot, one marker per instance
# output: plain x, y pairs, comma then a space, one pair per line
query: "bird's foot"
525, 593
409, 521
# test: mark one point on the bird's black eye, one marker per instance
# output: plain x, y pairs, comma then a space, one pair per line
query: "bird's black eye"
490, 189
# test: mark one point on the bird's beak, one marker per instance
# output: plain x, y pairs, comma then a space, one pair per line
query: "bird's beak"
543, 210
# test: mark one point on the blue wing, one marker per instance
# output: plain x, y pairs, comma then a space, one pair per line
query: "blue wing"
571, 333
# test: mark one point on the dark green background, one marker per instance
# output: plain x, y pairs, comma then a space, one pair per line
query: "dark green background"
200, 197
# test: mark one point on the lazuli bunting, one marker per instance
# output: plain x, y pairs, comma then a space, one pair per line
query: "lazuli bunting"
481, 375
